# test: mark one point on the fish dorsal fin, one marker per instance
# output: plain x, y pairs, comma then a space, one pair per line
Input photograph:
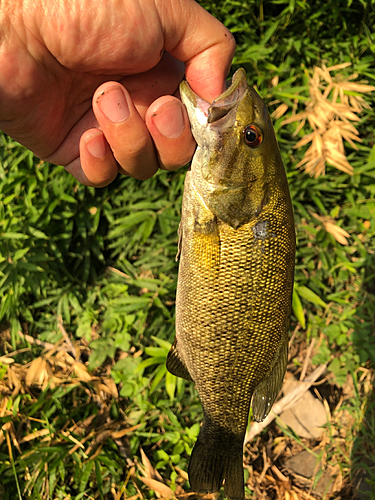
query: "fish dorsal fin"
266, 392
175, 365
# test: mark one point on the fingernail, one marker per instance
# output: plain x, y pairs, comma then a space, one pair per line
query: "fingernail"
169, 120
95, 145
113, 104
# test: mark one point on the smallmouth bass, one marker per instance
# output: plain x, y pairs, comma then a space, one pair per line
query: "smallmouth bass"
235, 282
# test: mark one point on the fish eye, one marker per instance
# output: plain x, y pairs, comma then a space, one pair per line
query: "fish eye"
253, 136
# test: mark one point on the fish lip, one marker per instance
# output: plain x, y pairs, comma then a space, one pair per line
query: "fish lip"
229, 99
210, 113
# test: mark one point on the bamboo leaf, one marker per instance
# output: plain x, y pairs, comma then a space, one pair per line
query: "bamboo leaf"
298, 309
311, 296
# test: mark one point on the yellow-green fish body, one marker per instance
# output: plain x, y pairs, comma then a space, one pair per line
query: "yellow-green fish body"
237, 248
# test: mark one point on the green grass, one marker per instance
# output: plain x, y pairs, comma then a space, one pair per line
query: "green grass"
59, 244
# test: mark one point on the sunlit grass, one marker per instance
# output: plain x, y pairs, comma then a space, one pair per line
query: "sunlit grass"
88, 280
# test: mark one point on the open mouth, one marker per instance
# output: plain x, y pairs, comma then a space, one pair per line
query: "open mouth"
229, 99
206, 113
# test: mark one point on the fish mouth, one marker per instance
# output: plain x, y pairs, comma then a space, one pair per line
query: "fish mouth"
229, 99
207, 113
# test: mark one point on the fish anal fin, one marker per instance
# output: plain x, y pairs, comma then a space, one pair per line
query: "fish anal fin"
267, 390
175, 365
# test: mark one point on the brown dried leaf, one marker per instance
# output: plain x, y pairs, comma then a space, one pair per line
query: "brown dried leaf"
6, 360
111, 387
299, 127
9, 427
348, 128
318, 145
65, 360
328, 91
34, 435
295, 118
305, 140
275, 80
323, 73
73, 439
280, 111
103, 435
357, 87
123, 432
349, 137
294, 496
161, 490
337, 232
3, 406
346, 113
316, 122
150, 471
360, 102
35, 373
355, 104
81, 372
182, 473
14, 381
330, 112
339, 66
339, 161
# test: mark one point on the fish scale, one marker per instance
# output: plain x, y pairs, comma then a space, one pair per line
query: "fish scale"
236, 250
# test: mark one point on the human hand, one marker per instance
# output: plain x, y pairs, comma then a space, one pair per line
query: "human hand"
131, 56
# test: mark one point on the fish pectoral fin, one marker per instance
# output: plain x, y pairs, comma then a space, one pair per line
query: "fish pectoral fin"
266, 392
179, 245
175, 365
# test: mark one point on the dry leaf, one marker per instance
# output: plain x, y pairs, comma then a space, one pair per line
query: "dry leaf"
329, 225
123, 432
339, 66
34, 435
149, 470
14, 381
329, 112
112, 388
6, 361
275, 80
3, 406
8, 427
161, 490
182, 473
73, 439
36, 372
81, 372
279, 111
337, 232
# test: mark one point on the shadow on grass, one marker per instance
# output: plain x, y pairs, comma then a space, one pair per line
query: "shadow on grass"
363, 452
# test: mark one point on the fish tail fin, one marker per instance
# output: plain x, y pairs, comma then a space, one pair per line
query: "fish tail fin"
213, 461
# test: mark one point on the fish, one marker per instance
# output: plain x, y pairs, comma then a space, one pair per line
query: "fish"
235, 279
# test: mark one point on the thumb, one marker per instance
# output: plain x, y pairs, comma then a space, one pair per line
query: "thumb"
205, 45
